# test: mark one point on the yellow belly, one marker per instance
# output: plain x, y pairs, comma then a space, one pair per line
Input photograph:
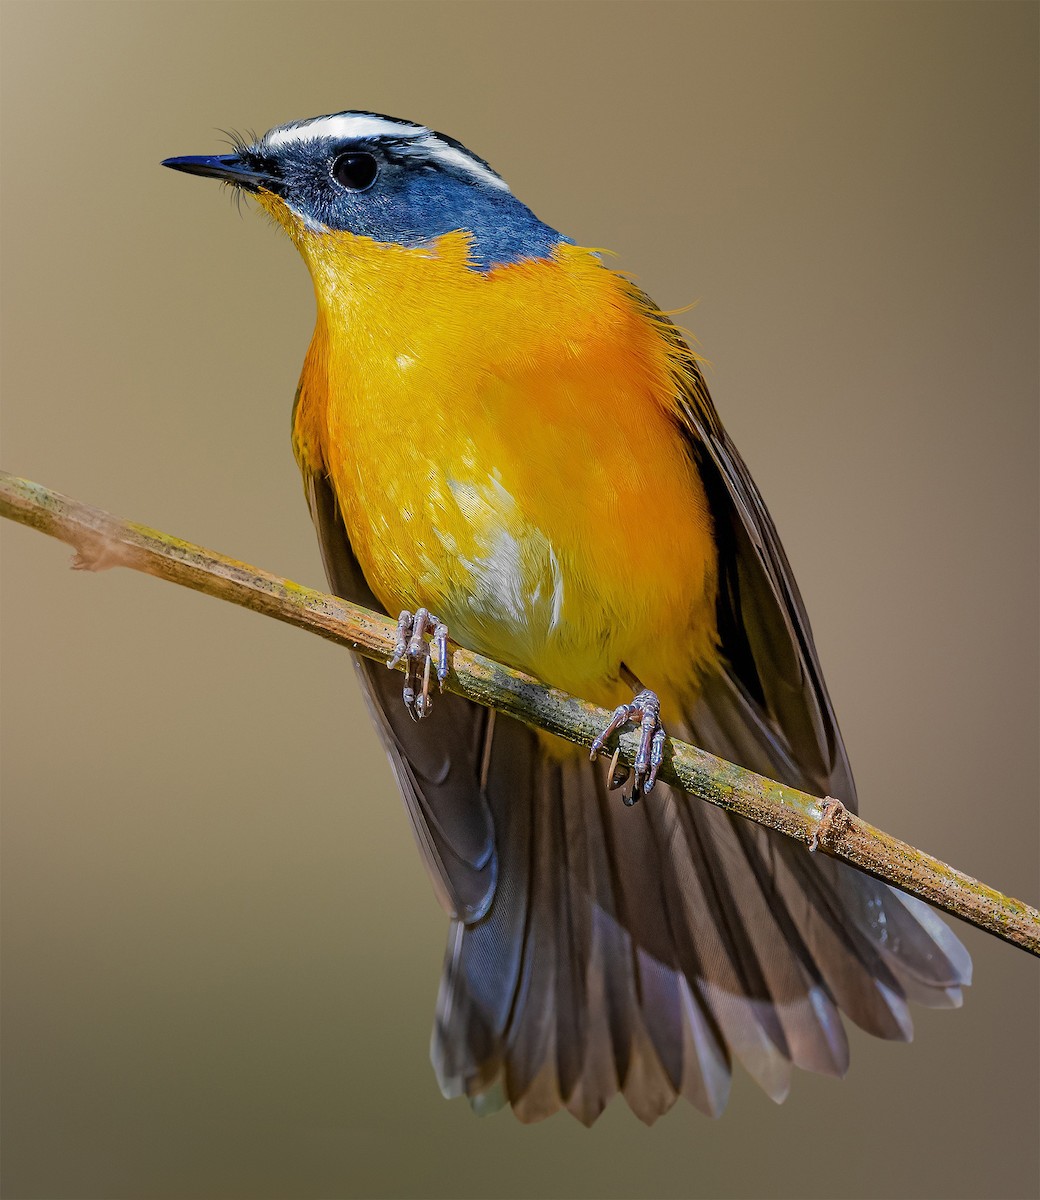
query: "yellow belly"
504, 454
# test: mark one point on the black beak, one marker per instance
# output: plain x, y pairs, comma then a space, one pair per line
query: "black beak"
228, 167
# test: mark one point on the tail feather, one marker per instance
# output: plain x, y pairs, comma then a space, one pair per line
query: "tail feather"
653, 1064
636, 950
706, 1069
810, 1031
815, 1031
610, 976
948, 965
855, 972
714, 955
545, 999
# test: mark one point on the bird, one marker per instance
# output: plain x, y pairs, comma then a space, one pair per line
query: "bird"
505, 443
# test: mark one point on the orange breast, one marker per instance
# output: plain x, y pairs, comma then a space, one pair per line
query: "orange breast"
504, 452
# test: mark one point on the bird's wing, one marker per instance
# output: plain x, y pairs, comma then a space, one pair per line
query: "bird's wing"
441, 764
768, 708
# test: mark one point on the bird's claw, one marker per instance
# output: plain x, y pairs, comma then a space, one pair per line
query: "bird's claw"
412, 646
646, 709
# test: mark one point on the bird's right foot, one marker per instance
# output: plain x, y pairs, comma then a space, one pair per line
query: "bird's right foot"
646, 709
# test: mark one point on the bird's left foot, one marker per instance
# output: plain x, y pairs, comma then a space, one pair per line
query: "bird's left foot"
412, 646
646, 709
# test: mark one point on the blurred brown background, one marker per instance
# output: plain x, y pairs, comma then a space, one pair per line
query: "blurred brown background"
221, 952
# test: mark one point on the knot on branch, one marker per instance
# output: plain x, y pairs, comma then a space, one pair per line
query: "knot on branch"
833, 821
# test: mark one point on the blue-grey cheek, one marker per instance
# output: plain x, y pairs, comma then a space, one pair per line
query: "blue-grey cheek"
416, 209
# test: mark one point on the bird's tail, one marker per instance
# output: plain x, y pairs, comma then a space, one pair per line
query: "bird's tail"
641, 950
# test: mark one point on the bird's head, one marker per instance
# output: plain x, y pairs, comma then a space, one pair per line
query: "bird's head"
376, 177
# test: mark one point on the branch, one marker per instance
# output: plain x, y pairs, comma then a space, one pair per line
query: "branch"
103, 541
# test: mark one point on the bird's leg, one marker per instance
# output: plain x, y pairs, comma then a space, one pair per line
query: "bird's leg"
646, 709
413, 647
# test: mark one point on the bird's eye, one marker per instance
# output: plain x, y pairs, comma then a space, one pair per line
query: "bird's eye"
355, 171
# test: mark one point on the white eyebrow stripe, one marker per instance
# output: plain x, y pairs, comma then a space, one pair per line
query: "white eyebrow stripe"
341, 125
359, 125
452, 156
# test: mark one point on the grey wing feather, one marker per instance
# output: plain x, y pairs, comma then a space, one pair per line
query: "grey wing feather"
768, 709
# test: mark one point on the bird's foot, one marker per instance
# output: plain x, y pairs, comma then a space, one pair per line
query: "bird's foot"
646, 709
412, 646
